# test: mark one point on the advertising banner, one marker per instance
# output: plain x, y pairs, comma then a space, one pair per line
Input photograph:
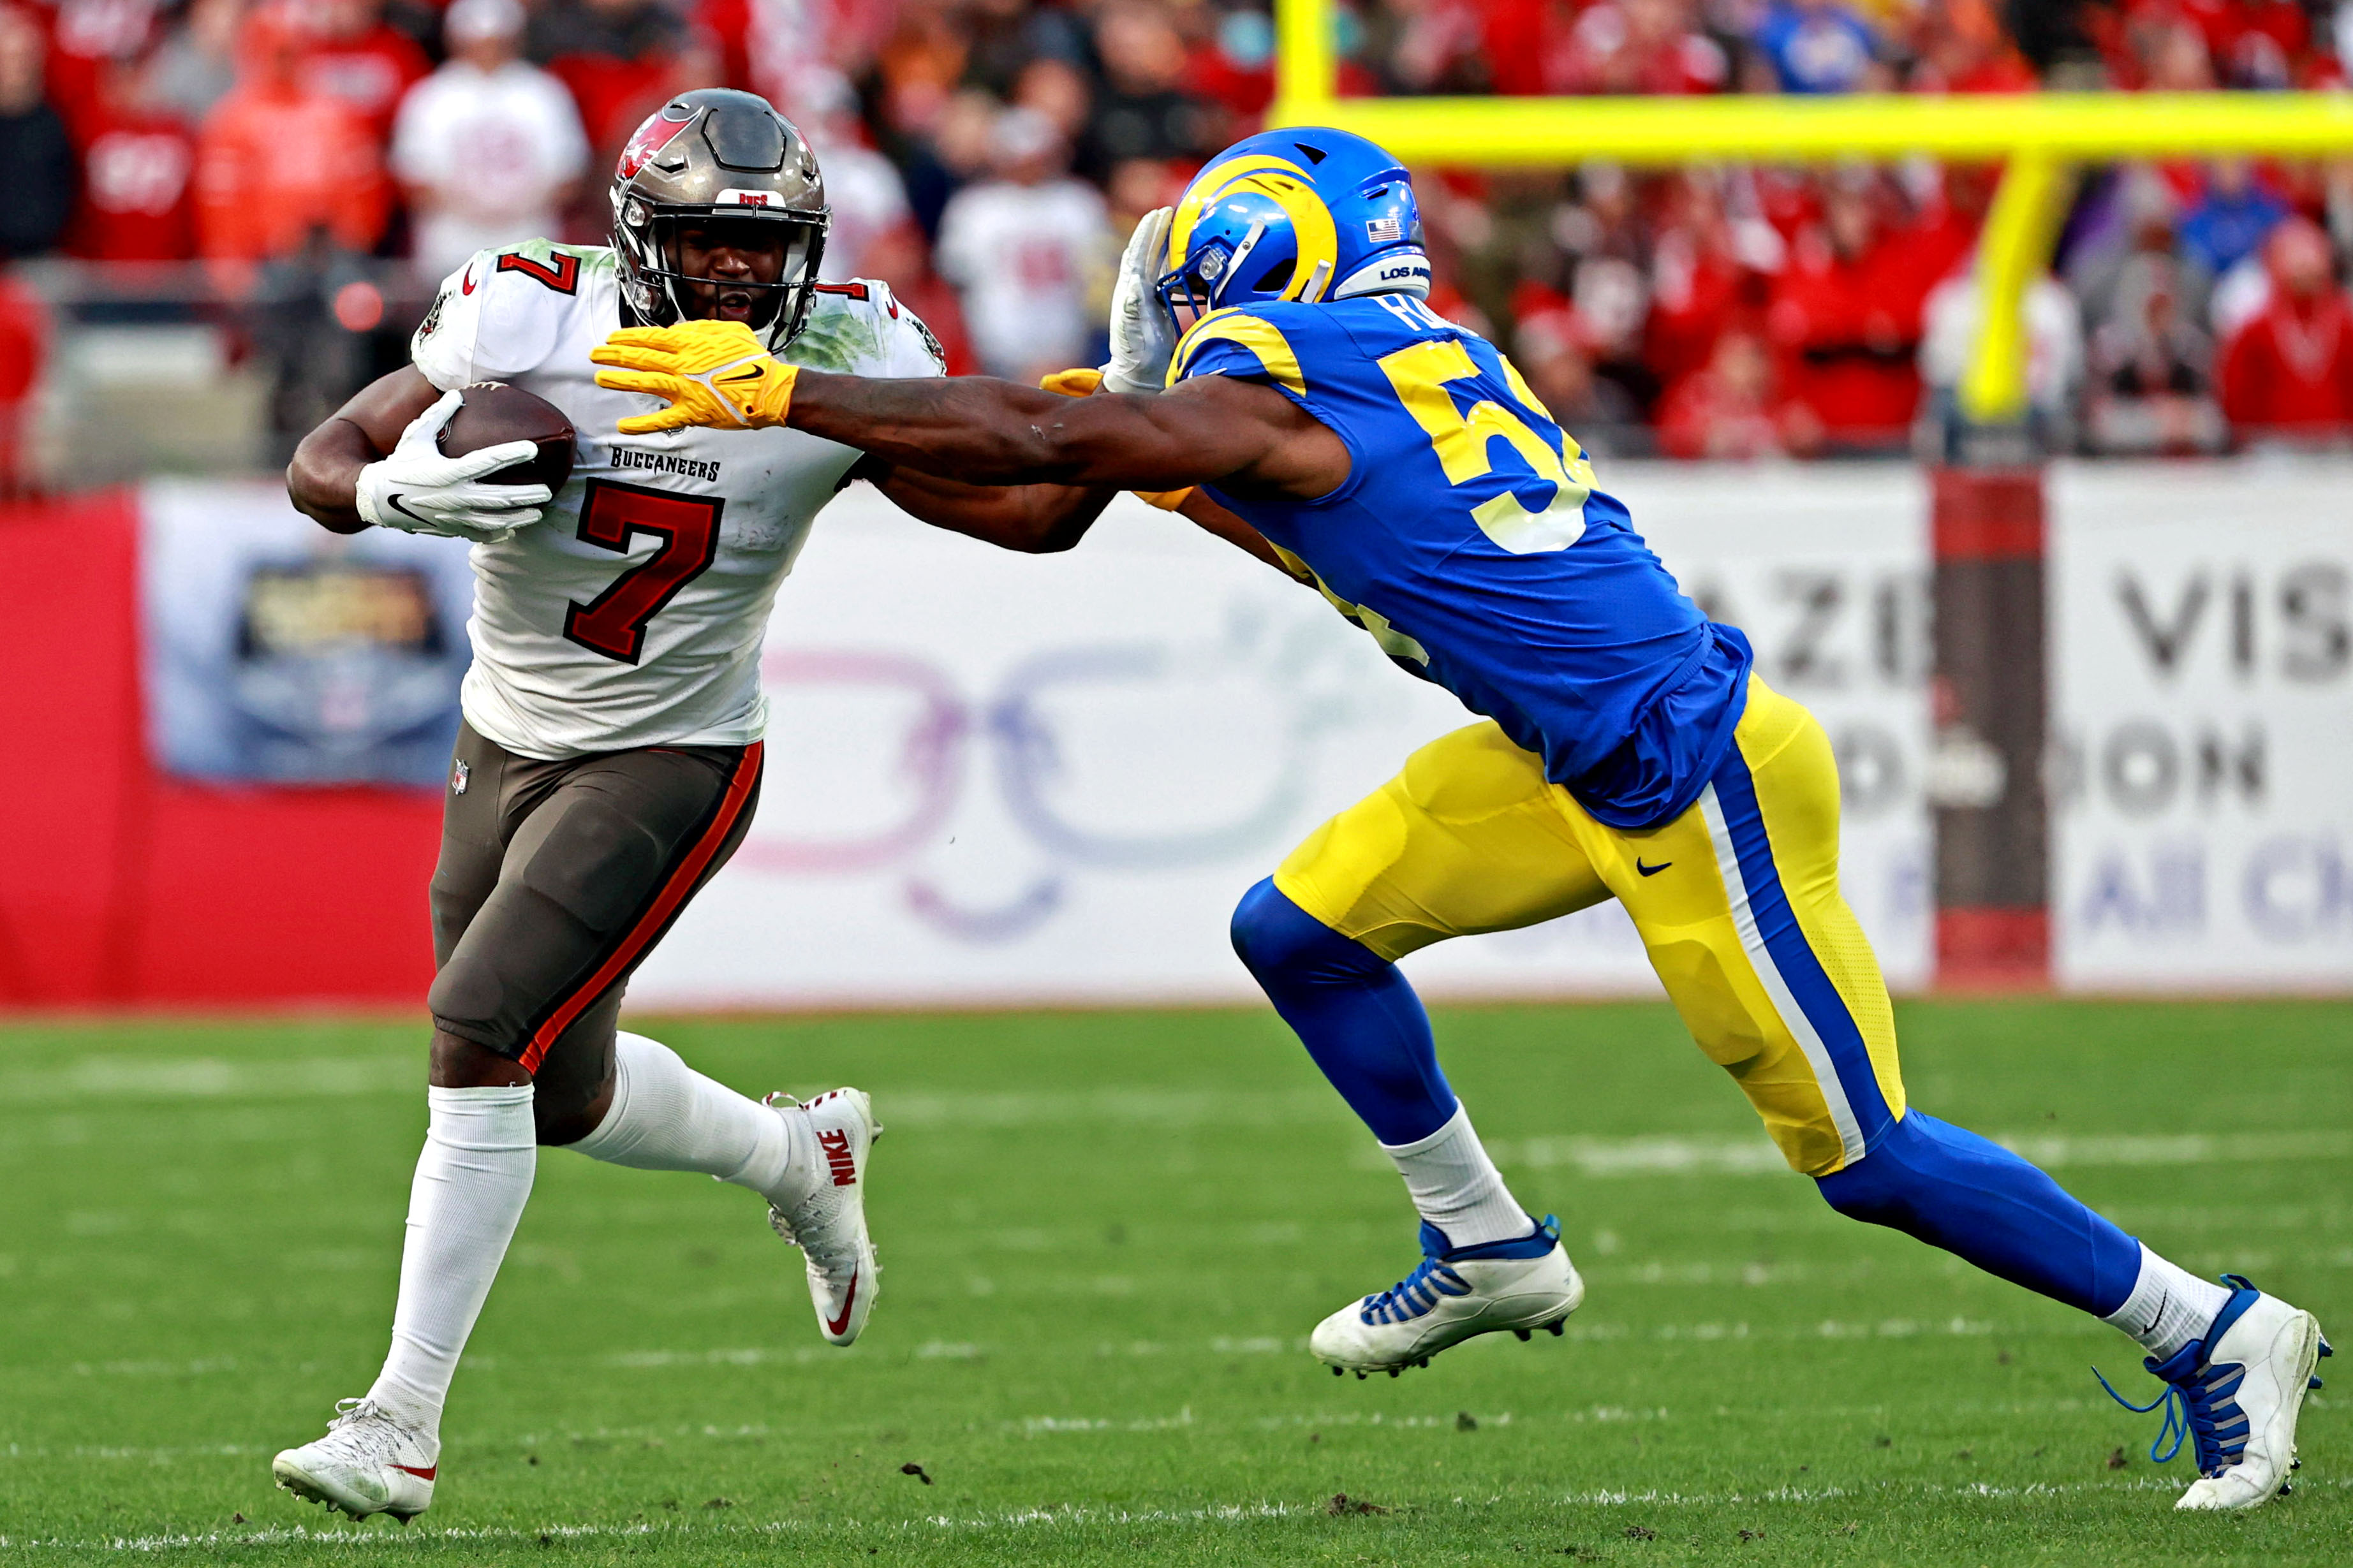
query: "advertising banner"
277, 652
1004, 779
2202, 674
996, 778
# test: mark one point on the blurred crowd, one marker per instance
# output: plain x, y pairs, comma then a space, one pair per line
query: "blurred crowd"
987, 157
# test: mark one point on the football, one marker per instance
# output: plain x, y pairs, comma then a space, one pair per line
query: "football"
491, 413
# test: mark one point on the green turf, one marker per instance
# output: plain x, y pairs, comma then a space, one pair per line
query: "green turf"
1107, 1235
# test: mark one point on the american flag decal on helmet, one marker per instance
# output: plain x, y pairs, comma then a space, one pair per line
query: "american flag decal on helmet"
1384, 230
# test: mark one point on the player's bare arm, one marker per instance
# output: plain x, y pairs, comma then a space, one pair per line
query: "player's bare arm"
1037, 520
1247, 438
323, 481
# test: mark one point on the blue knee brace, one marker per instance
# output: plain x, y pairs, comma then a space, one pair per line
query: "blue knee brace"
1352, 1009
1976, 1199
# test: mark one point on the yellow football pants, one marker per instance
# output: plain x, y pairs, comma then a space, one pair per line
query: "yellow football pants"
1737, 901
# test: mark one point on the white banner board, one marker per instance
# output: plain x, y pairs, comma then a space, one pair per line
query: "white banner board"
1005, 779
2202, 696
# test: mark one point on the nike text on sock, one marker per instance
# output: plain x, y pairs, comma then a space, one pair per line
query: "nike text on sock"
473, 1181
2169, 1305
668, 1116
1456, 1187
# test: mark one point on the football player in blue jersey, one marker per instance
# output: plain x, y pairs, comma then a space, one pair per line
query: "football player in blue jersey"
1336, 427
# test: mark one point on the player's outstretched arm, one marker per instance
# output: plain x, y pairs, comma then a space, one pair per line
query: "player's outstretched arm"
323, 481
1240, 435
1035, 519
1212, 429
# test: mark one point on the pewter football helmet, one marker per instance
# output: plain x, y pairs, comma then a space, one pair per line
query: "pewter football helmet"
715, 155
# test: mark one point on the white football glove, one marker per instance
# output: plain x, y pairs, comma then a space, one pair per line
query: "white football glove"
419, 491
1141, 336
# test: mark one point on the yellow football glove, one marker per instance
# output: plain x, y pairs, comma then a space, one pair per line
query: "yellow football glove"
714, 374
1086, 383
1073, 383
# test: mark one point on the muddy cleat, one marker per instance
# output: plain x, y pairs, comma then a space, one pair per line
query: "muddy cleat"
369, 1462
830, 1224
1456, 1292
2236, 1394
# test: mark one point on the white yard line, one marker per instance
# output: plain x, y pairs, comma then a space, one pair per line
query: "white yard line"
364, 1538
1753, 1156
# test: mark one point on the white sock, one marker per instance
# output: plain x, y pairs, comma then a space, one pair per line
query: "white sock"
1456, 1187
2168, 1307
472, 1180
668, 1116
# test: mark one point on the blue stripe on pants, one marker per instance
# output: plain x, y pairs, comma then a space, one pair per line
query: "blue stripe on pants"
1785, 944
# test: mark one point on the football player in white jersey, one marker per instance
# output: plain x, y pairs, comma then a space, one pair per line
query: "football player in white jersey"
610, 756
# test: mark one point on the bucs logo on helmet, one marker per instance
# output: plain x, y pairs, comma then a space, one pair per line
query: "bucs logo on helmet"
715, 157
658, 132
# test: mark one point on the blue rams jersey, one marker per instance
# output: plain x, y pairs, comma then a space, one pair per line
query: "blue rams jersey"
1470, 542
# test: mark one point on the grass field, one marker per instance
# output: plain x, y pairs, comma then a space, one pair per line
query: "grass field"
1106, 1237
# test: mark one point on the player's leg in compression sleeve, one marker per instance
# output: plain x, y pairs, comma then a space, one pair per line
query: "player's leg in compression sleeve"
1360, 1018
1976, 1199
1352, 1009
472, 1180
668, 1116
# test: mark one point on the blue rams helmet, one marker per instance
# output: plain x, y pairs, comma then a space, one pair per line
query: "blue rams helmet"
1304, 213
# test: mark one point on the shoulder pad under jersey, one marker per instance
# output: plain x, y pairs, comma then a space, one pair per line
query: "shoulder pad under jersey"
504, 312
860, 328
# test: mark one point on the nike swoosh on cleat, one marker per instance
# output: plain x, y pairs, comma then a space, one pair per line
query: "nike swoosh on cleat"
423, 1475
1651, 870
841, 1325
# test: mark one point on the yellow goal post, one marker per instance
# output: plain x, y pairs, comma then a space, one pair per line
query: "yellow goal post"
2038, 137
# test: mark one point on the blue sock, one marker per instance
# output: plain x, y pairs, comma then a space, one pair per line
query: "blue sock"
1354, 1011
1980, 1202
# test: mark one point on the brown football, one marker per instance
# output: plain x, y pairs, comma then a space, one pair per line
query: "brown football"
491, 413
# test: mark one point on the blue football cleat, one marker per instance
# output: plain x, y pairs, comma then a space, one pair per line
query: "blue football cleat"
2235, 1394
1456, 1292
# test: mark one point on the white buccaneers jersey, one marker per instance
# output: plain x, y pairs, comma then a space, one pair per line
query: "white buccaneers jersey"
630, 615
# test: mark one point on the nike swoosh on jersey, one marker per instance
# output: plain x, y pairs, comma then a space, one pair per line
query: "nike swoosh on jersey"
841, 1325
1651, 870
466, 282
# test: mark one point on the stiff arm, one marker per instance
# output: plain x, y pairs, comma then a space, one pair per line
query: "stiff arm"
1246, 439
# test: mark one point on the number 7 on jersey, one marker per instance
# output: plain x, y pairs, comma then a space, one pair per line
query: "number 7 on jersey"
615, 624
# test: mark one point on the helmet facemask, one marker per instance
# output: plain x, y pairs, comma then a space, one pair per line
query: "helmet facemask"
653, 242
1190, 292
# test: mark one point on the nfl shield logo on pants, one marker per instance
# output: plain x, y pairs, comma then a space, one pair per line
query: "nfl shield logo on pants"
460, 775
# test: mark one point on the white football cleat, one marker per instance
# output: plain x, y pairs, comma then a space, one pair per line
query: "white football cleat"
369, 1462
2236, 1393
830, 1224
1521, 1285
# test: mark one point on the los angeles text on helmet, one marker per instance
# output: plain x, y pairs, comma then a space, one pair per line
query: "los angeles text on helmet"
716, 153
